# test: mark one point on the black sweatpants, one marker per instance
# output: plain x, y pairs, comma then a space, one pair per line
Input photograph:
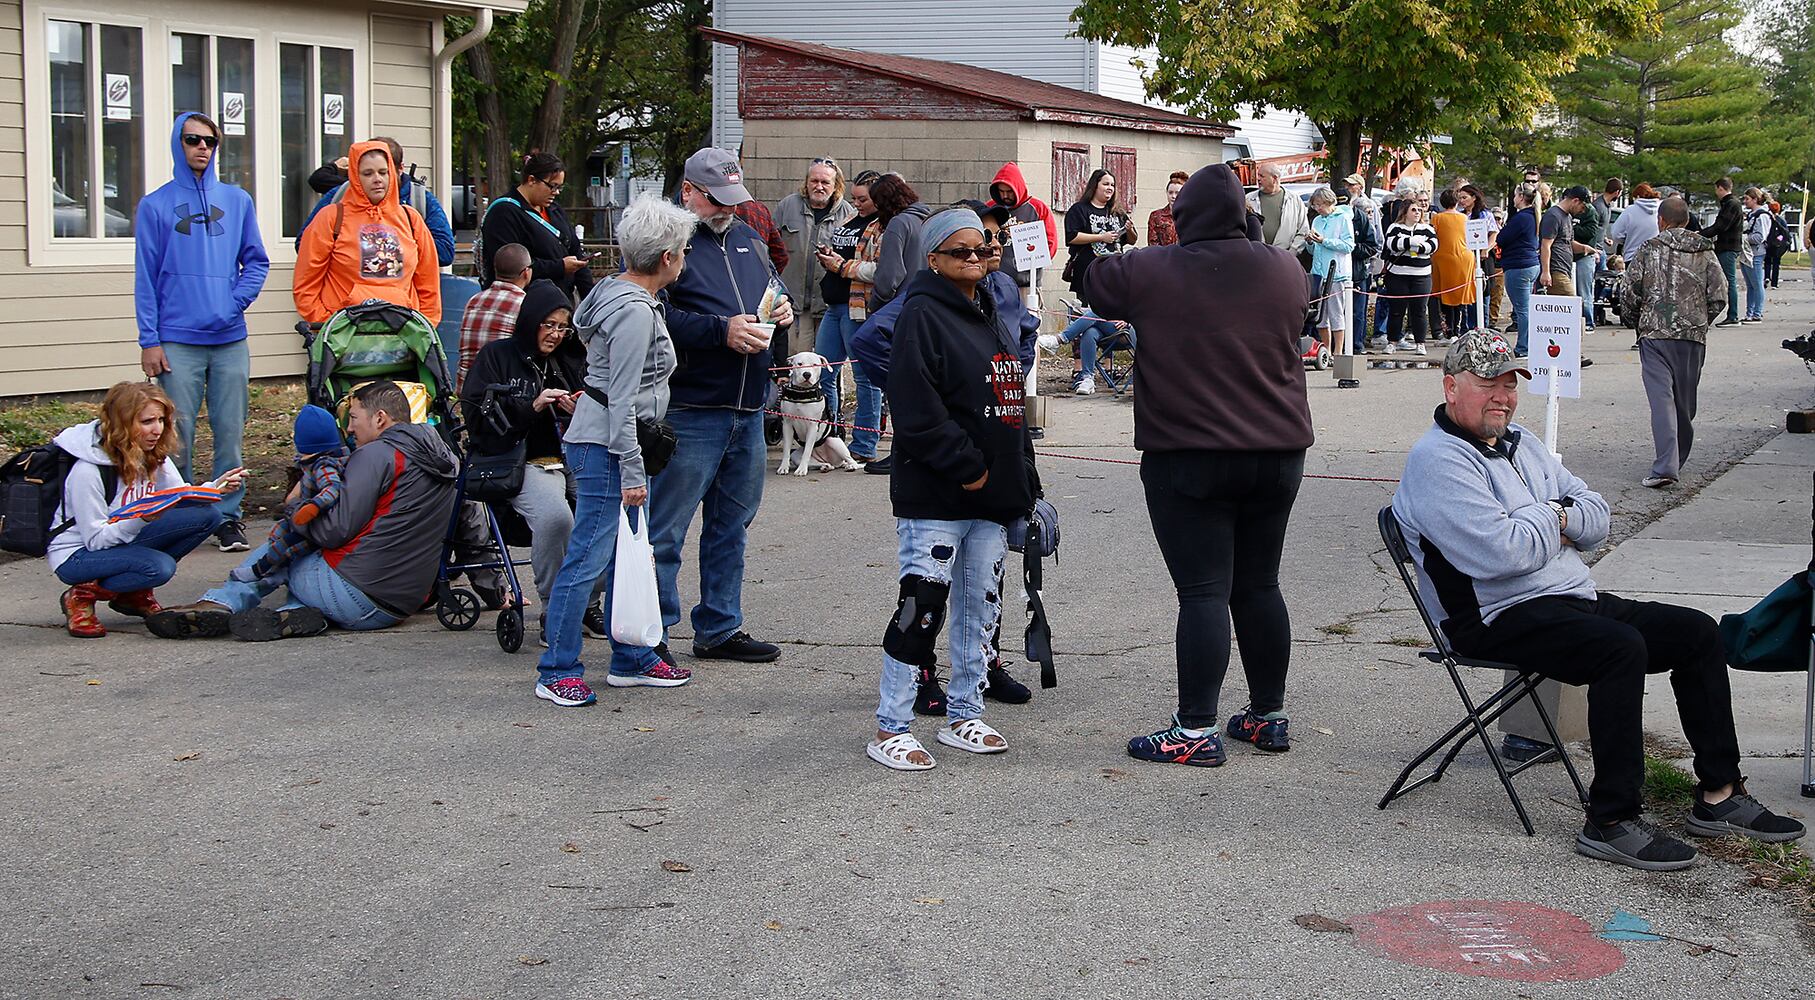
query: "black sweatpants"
1411, 299
1220, 520
1609, 644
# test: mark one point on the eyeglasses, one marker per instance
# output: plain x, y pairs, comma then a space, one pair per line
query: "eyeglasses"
553, 188
825, 161
971, 253
555, 327
191, 139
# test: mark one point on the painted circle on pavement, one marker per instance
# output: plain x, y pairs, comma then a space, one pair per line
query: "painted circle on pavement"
1494, 939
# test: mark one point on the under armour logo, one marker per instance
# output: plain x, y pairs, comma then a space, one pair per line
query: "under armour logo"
210, 218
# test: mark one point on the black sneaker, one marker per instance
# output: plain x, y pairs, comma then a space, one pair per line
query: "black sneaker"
264, 624
999, 686
1744, 815
1728, 322
739, 647
201, 620
594, 623
880, 467
1634, 843
231, 536
1269, 732
930, 699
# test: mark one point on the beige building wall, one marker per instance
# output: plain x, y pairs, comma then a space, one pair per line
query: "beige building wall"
66, 307
945, 161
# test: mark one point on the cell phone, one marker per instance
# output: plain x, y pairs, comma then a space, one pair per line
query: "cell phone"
823, 248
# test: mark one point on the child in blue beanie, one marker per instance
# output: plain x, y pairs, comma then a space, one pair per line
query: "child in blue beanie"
321, 457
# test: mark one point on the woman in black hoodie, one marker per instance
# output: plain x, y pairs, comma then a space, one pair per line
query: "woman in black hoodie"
532, 378
963, 472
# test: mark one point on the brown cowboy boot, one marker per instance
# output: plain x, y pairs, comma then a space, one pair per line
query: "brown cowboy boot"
136, 604
79, 611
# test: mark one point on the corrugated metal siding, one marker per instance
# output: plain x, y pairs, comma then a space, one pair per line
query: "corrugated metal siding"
1280, 133
1035, 45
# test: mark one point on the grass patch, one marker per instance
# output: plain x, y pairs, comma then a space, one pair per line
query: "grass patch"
1668, 788
1408, 641
1337, 628
29, 422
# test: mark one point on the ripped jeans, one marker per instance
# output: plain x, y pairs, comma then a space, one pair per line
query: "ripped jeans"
964, 558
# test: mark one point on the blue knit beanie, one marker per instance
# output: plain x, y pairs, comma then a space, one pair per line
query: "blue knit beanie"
317, 432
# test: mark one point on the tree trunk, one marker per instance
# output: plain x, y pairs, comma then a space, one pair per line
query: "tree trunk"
1342, 140
499, 172
678, 144
545, 129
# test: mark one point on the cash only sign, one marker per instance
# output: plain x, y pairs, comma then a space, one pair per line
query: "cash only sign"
1555, 343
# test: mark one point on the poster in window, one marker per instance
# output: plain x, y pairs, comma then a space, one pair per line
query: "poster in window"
233, 112
119, 97
333, 114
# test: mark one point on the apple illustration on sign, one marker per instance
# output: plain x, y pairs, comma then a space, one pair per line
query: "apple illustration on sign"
1555, 351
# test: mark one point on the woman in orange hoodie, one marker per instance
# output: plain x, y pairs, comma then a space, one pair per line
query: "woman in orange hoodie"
368, 246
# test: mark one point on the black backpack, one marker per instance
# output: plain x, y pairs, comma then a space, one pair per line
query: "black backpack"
1779, 237
31, 490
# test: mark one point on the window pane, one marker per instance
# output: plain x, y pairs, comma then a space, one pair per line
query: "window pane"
122, 128
295, 123
67, 44
337, 125
189, 73
233, 107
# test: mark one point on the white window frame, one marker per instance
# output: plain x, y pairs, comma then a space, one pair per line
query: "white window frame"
360, 106
212, 84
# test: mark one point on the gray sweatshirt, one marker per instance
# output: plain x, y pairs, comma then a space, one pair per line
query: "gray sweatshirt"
900, 242
1480, 529
629, 358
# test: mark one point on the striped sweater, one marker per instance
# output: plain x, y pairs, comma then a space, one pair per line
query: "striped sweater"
1409, 249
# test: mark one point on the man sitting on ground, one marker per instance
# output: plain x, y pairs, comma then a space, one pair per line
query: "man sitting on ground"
1497, 526
379, 546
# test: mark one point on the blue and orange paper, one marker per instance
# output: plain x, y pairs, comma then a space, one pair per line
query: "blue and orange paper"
162, 500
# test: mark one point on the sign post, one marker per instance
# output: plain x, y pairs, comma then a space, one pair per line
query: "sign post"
1032, 255
1556, 356
1477, 236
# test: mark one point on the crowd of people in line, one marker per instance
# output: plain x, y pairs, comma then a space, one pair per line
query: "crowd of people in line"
585, 379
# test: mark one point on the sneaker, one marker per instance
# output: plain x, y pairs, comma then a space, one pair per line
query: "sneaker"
1266, 732
1744, 815
1377, 342
1173, 746
999, 686
1392, 347
739, 647
264, 624
1048, 342
1753, 319
1419, 350
880, 467
1077, 376
568, 692
659, 674
203, 619
1728, 322
1634, 843
1086, 386
594, 623
231, 536
930, 698
1656, 482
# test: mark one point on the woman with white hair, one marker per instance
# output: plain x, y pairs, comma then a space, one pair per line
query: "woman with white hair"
629, 358
1332, 240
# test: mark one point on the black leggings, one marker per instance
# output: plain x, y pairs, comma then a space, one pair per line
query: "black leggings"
1220, 520
1398, 309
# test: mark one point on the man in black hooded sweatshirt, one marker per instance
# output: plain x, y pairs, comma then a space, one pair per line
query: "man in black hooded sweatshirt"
1221, 417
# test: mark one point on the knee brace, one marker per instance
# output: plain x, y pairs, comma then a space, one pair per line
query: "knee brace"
919, 612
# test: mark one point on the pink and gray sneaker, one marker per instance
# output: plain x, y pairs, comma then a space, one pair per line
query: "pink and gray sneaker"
568, 692
661, 674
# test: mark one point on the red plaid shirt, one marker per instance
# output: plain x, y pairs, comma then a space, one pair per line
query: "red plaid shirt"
757, 216
490, 315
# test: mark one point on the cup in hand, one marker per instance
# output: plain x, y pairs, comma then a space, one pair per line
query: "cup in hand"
766, 331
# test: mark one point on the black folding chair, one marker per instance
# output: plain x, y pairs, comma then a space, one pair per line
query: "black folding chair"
1474, 724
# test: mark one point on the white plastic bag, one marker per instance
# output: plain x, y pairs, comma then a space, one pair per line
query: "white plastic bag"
636, 611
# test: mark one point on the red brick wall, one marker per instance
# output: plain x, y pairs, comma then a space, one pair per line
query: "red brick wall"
775, 84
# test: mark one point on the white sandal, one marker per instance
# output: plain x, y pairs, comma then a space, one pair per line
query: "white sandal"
895, 753
969, 735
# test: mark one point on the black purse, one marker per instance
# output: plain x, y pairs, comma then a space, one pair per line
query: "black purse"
655, 438
495, 478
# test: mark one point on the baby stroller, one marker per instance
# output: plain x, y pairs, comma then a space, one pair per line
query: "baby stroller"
1608, 284
379, 340
457, 608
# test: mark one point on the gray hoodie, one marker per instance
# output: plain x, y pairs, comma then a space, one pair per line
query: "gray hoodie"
900, 241
1480, 527
1635, 225
629, 358
85, 507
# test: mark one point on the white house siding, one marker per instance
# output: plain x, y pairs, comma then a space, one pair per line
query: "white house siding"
1025, 37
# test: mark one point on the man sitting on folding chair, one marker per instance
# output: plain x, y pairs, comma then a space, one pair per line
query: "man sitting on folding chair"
1497, 527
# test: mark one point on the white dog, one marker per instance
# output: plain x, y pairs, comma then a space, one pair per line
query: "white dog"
804, 407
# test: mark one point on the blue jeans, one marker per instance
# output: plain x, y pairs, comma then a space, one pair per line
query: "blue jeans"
220, 377
1755, 287
833, 342
717, 469
150, 559
586, 570
1585, 269
1087, 332
1729, 264
967, 555
1519, 281
313, 584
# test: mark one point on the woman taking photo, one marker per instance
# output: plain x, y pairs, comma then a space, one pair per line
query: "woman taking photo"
629, 358
964, 471
1222, 422
529, 216
1094, 228
838, 259
122, 457
369, 245
532, 381
1410, 242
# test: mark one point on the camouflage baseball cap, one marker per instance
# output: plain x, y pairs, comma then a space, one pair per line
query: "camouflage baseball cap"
1487, 355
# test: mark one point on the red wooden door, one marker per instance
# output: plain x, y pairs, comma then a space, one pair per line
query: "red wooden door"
1119, 160
1070, 169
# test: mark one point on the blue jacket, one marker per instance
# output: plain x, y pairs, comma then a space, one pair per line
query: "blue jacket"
200, 261
1338, 231
433, 214
870, 345
1518, 240
725, 276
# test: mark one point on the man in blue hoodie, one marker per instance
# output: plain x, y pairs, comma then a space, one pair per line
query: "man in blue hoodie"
200, 264
716, 402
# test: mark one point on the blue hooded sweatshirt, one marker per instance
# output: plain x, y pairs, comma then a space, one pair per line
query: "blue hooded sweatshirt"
201, 261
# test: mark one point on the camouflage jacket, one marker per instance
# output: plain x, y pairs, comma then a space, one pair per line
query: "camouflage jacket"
1675, 286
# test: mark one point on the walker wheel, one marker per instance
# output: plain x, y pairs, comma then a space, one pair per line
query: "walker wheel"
510, 629
458, 609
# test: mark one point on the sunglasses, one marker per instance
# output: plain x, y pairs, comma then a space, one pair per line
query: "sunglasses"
191, 139
971, 253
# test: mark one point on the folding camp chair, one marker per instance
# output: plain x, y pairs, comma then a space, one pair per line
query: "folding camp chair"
1480, 716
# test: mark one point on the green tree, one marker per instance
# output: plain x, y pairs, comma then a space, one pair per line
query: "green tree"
1790, 31
1392, 70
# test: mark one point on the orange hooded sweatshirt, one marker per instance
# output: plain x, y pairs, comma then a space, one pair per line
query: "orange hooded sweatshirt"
382, 251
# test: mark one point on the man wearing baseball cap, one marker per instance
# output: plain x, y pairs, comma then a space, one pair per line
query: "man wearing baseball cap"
716, 402
1497, 527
